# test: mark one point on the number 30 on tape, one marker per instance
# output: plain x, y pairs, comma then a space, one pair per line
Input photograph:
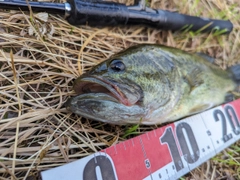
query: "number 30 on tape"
168, 152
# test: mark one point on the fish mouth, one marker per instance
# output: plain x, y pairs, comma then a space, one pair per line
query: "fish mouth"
97, 85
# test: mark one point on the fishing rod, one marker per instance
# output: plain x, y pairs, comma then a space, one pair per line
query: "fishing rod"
100, 13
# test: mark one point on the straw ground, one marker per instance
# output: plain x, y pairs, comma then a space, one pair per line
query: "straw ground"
42, 54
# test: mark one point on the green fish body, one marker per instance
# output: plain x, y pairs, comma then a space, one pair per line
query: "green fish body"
150, 84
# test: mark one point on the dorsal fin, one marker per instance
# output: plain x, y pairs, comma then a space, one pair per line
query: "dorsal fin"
207, 57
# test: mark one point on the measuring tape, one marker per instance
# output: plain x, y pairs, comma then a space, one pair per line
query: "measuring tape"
168, 152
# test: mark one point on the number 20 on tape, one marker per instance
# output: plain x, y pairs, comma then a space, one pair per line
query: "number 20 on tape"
168, 152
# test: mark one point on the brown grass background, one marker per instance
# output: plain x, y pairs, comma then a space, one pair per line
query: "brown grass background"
36, 131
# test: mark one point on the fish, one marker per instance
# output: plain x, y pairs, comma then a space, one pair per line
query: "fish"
152, 84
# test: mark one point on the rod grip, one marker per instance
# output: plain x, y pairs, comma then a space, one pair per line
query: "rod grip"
175, 21
111, 14
97, 14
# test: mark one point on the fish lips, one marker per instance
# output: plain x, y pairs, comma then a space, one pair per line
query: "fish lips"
89, 104
105, 108
113, 90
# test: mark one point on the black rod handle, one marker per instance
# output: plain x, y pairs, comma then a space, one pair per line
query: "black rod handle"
175, 21
97, 13
112, 14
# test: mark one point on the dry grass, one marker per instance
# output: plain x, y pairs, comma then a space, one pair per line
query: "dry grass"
37, 133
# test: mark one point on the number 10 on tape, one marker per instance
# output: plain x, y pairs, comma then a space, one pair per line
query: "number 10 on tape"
168, 152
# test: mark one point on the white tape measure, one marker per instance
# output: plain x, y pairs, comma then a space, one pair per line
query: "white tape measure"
168, 152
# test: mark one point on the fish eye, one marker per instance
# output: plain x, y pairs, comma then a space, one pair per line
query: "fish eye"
117, 65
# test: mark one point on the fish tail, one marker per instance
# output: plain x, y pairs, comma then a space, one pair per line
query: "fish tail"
236, 73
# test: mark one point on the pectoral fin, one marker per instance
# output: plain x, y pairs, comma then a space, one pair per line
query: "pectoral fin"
207, 57
193, 78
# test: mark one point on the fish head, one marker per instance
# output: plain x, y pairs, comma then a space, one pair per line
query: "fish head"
122, 89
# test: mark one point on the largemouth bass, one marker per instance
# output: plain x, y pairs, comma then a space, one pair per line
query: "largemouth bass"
152, 84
